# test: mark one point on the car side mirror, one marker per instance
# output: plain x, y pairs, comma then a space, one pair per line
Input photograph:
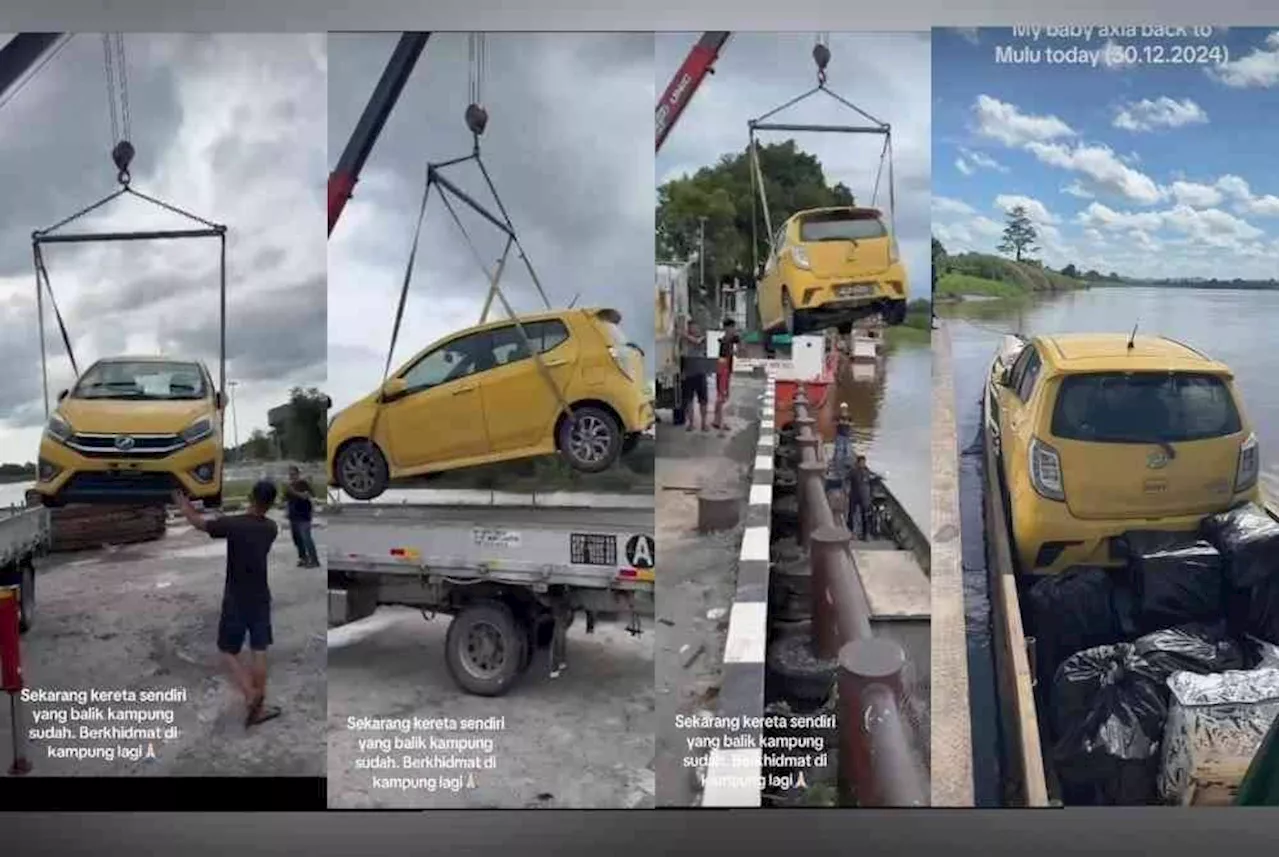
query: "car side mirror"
393, 387
62, 394
1006, 377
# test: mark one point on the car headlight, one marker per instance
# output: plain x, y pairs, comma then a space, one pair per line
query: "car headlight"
58, 429
197, 431
800, 257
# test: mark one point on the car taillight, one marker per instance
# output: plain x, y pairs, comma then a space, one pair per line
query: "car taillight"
1046, 471
800, 257
1247, 464
620, 357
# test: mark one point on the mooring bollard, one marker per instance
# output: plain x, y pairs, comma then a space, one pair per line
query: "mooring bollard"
808, 477
826, 544
876, 765
717, 510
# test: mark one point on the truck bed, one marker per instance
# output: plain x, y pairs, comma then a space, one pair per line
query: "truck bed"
598, 547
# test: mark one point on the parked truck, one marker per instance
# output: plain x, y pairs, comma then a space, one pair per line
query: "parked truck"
24, 541
670, 314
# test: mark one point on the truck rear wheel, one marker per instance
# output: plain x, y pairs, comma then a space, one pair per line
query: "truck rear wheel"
27, 599
486, 648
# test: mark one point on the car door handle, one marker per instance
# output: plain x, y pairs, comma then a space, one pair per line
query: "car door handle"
461, 390
551, 364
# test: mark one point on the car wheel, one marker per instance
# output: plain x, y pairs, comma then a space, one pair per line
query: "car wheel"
590, 439
27, 599
896, 313
361, 470
630, 442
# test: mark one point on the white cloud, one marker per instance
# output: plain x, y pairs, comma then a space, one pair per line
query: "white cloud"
1228, 188
963, 166
1259, 68
1034, 208
1262, 206
1077, 190
983, 161
1101, 168
1002, 121
1163, 112
945, 205
1195, 194
1210, 226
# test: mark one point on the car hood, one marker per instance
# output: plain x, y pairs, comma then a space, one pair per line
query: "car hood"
121, 416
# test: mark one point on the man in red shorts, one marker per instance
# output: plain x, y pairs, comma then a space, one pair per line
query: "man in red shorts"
724, 368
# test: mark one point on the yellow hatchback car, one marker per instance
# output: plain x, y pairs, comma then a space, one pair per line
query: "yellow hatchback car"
1099, 434
831, 267
478, 397
134, 430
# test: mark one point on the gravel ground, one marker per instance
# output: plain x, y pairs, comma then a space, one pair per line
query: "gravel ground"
583, 740
698, 575
144, 618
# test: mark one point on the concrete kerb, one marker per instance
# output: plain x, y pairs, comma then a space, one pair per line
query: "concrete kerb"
733, 775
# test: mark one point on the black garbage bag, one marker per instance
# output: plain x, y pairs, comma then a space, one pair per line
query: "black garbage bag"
1108, 718
1249, 541
1068, 613
1199, 648
1174, 579
1252, 611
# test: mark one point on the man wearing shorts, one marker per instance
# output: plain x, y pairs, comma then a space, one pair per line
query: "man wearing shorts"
246, 598
724, 368
693, 383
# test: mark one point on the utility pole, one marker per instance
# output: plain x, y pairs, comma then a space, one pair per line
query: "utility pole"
702, 255
235, 428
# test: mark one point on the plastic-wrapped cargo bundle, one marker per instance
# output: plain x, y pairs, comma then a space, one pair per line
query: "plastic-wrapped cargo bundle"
1109, 708
1216, 724
1249, 538
1070, 612
1174, 579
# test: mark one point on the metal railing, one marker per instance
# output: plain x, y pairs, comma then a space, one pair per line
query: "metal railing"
877, 766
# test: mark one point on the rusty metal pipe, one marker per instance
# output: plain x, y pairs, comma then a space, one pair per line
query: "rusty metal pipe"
877, 766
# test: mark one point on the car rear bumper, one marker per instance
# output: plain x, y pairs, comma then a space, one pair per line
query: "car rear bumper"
70, 477
1049, 539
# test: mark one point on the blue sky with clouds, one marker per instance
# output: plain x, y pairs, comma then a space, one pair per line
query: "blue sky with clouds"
1146, 169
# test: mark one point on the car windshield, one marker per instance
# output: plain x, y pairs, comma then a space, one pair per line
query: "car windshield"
142, 379
1151, 407
841, 226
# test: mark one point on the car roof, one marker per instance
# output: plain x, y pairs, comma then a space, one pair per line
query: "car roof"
604, 313
1071, 353
147, 358
830, 209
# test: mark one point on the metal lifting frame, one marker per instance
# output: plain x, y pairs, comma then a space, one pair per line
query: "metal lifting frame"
50, 235
761, 124
448, 192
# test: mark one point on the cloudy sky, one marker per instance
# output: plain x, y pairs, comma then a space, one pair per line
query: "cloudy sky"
228, 127
887, 75
568, 149
1147, 170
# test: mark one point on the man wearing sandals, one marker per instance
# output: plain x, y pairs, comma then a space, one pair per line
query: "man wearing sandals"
246, 598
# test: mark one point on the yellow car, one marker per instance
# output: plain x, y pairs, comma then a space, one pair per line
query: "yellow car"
1099, 434
134, 430
478, 397
831, 267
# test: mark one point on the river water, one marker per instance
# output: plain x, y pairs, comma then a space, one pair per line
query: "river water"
889, 404
1237, 327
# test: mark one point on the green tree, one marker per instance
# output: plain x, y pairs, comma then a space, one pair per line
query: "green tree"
1070, 271
1019, 234
722, 194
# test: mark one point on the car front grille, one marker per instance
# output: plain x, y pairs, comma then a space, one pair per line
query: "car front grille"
136, 445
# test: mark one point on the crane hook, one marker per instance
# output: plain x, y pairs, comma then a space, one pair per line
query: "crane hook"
821, 56
122, 155
477, 118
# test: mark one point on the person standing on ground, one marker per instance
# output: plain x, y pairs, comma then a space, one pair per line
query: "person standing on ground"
246, 597
298, 496
693, 383
860, 498
724, 368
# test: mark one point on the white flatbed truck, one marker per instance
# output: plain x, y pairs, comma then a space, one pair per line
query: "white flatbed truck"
24, 541
512, 570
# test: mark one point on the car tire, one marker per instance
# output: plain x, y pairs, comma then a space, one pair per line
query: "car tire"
361, 470
27, 599
472, 634
590, 439
896, 313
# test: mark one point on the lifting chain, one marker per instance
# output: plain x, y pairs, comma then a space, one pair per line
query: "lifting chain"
115, 66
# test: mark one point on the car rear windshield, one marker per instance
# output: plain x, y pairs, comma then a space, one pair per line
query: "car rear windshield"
143, 379
841, 226
1149, 407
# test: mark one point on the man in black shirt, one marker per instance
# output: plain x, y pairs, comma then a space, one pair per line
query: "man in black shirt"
860, 477
298, 494
724, 368
693, 383
246, 597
